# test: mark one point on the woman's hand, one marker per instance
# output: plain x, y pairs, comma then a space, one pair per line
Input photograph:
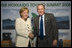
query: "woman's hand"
31, 35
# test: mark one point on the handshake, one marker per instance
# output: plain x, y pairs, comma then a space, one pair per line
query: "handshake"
31, 35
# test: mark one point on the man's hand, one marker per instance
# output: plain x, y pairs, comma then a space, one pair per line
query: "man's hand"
31, 35
54, 43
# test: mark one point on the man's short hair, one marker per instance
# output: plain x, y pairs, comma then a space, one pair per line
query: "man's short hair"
42, 5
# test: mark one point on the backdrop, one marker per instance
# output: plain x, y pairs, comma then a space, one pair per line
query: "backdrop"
60, 9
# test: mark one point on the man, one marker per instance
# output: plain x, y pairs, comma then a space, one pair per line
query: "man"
45, 28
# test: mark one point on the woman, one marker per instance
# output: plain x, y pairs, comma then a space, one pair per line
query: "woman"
23, 28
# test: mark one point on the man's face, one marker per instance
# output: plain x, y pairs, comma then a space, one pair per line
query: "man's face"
40, 10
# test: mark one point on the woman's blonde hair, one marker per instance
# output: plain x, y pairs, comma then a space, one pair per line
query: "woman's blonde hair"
23, 9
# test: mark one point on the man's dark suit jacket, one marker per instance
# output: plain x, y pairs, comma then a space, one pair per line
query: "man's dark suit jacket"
51, 30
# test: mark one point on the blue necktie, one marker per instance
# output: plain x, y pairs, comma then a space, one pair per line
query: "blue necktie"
41, 28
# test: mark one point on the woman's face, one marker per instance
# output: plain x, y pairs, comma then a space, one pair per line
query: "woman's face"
24, 14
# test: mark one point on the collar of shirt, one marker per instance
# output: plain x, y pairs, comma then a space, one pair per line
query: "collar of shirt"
42, 17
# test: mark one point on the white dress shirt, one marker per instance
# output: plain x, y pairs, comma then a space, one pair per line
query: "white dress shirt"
43, 24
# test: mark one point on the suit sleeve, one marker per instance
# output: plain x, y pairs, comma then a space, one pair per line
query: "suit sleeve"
54, 28
35, 27
20, 31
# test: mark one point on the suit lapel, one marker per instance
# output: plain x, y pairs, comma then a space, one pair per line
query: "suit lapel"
45, 21
38, 22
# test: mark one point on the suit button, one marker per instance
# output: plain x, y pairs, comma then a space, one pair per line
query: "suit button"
28, 27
